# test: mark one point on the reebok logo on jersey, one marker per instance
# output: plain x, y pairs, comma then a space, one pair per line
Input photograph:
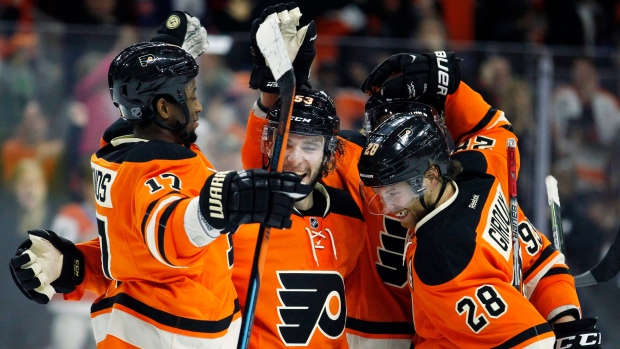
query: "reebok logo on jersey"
216, 209
442, 74
474, 201
310, 300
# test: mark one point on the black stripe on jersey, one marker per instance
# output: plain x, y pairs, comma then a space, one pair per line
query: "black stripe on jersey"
557, 271
380, 327
146, 216
481, 124
145, 152
353, 137
164, 318
161, 230
105, 257
341, 202
525, 335
544, 255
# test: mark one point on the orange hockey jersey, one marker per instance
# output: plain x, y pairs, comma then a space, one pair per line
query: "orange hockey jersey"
303, 298
460, 259
381, 273
171, 275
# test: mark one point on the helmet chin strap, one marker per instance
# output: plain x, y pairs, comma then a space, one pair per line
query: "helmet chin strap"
429, 208
180, 128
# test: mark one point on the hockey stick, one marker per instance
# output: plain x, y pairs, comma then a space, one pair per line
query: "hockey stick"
517, 272
271, 44
607, 268
556, 218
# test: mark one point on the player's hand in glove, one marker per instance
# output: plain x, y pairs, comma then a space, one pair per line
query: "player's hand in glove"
181, 29
45, 264
410, 76
231, 198
299, 44
577, 334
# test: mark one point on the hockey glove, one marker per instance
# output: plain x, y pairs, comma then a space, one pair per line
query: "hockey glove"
183, 30
299, 45
577, 334
231, 198
411, 76
45, 264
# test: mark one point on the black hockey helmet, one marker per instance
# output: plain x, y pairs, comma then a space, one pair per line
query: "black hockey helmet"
146, 70
379, 108
397, 154
314, 114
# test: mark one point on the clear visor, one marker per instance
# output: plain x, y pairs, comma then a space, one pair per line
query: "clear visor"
391, 199
301, 146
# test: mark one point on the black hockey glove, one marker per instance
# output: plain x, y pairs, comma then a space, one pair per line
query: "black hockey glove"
45, 264
299, 45
183, 30
411, 76
577, 334
231, 198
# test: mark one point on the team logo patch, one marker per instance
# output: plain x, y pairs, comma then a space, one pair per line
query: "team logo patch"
146, 59
405, 133
136, 112
310, 300
314, 223
173, 22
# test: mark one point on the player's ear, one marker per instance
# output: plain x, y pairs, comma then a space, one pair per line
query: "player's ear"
163, 108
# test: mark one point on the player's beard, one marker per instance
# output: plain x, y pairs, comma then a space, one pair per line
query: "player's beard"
192, 136
415, 213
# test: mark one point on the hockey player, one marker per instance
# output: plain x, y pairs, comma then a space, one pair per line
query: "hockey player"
303, 298
385, 324
164, 217
459, 259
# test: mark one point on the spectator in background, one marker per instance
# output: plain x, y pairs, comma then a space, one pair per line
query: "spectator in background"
76, 221
585, 120
31, 140
513, 95
27, 207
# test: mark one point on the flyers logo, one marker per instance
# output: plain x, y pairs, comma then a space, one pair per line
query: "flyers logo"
310, 300
146, 59
390, 254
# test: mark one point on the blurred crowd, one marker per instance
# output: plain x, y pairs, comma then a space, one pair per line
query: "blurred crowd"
55, 104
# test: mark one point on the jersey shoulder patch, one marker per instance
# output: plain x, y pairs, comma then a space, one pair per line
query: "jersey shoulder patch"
447, 242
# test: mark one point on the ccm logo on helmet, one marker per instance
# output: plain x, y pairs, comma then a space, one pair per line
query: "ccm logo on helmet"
442, 75
300, 119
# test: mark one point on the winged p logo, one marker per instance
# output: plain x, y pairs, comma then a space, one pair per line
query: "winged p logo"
310, 300
146, 59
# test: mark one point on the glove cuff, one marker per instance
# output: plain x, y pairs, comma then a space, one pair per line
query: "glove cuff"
73, 268
213, 197
173, 30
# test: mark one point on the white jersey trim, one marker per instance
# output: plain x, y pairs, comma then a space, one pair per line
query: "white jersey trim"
142, 334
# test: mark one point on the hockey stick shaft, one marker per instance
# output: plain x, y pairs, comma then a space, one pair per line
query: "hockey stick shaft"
556, 217
517, 283
605, 270
269, 39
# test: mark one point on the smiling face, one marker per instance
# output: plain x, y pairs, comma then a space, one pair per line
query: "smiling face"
304, 156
